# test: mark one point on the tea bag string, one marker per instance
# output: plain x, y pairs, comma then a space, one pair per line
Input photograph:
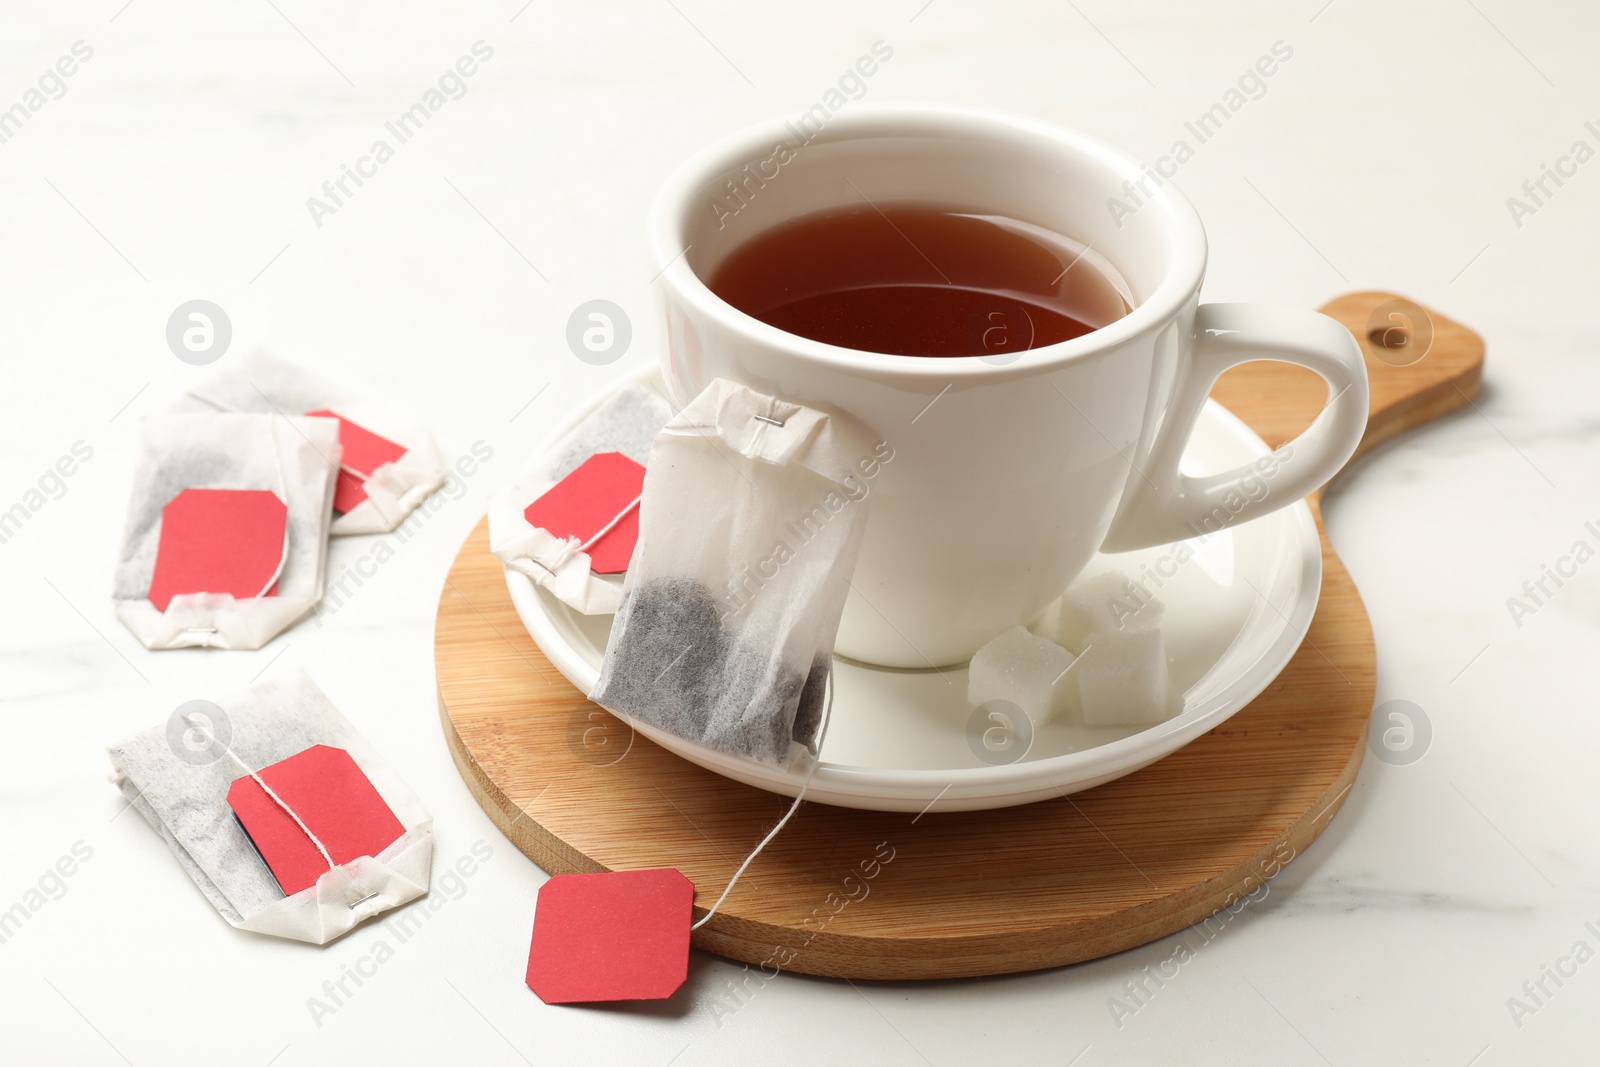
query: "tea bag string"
571, 546
822, 733
612, 525
194, 721
283, 495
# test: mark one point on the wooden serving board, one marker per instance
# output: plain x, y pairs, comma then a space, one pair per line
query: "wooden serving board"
883, 895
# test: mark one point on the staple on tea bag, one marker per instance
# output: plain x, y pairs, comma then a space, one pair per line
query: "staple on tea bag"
750, 524
625, 424
388, 466
292, 459
178, 776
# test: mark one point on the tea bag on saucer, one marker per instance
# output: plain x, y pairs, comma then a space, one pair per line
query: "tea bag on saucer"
749, 527
569, 521
279, 811
227, 530
389, 465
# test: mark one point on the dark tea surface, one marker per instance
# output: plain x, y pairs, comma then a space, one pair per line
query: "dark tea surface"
917, 279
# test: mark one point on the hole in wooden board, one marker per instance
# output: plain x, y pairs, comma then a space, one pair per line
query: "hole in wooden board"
1279, 399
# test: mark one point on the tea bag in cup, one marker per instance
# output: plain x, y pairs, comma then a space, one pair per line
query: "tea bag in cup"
389, 465
592, 460
750, 523
227, 530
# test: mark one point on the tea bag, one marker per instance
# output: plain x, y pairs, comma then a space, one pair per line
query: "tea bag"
179, 774
200, 540
389, 466
625, 425
750, 524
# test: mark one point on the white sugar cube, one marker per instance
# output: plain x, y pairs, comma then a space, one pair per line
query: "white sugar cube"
1108, 602
1122, 679
1031, 672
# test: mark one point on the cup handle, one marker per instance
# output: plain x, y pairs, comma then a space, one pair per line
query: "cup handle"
1164, 505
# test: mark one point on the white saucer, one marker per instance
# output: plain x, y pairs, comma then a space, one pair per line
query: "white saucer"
898, 739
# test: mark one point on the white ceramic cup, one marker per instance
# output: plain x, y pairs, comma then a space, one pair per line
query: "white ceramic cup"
1006, 478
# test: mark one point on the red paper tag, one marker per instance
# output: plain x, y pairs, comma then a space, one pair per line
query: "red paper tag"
362, 453
348, 491
585, 501
218, 541
330, 794
620, 935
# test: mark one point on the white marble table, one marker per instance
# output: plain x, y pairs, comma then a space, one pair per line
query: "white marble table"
176, 164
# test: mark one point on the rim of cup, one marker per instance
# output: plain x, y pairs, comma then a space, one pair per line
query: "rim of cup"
1181, 274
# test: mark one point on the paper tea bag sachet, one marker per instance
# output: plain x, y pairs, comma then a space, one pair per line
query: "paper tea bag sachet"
227, 530
570, 519
749, 528
388, 466
277, 808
